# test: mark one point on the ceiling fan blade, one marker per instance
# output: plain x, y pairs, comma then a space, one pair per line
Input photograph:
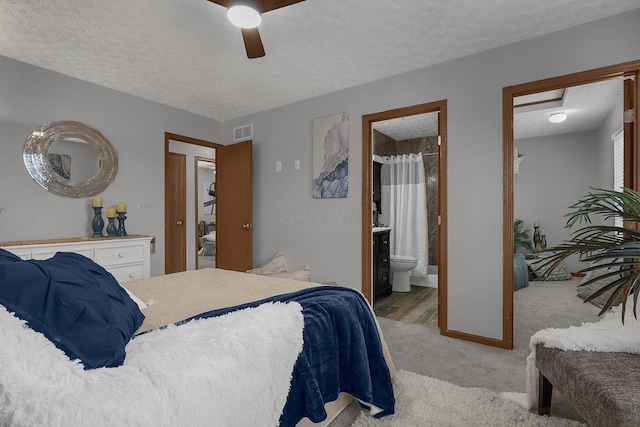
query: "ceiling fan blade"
252, 43
267, 5
263, 5
223, 3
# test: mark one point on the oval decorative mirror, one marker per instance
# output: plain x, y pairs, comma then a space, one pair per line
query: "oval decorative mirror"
70, 159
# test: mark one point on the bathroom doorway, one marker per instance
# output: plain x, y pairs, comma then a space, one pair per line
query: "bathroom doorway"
407, 280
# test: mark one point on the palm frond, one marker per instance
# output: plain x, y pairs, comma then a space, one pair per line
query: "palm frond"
521, 236
616, 249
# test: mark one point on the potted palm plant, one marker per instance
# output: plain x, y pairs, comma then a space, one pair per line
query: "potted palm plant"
614, 251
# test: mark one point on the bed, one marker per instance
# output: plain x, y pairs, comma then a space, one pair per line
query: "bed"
239, 349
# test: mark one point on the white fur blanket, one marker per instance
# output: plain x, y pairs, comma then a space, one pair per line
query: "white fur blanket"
232, 370
607, 335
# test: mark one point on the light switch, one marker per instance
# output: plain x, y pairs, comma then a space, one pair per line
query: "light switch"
296, 165
144, 207
278, 166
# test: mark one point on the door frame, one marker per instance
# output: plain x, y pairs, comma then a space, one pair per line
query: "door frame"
508, 94
367, 154
187, 140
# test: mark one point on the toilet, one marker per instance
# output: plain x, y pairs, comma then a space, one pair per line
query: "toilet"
400, 268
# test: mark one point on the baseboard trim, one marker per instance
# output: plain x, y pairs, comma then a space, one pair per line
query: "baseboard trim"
478, 339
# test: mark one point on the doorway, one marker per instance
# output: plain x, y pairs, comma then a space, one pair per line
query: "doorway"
371, 125
233, 204
205, 209
520, 95
181, 196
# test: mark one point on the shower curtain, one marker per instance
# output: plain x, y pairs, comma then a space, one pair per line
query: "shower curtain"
404, 207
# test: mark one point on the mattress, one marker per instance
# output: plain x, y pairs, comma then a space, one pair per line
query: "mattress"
174, 297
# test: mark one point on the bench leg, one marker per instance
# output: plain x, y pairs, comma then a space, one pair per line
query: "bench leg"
545, 389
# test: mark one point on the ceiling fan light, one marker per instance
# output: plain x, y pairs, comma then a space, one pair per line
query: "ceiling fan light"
244, 16
557, 117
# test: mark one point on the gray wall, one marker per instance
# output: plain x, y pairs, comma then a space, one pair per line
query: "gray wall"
326, 233
612, 124
322, 233
557, 170
31, 96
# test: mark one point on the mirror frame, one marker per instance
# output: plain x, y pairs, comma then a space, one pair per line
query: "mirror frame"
36, 159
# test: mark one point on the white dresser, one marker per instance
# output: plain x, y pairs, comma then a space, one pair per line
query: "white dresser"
127, 258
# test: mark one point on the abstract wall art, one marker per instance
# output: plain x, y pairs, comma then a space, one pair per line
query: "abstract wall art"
331, 156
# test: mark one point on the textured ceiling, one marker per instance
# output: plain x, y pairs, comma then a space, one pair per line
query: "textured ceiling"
586, 106
410, 127
184, 53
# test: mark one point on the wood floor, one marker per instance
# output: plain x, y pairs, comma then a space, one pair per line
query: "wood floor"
420, 306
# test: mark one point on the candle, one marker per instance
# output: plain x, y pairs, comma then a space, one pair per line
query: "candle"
96, 202
111, 212
122, 207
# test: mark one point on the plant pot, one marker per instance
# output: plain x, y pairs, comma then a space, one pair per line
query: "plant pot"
520, 272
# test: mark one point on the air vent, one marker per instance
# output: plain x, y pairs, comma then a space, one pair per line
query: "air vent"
242, 133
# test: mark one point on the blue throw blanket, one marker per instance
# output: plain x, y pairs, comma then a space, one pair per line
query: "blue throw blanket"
342, 352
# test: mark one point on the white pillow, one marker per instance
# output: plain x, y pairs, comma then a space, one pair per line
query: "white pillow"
277, 264
135, 299
303, 274
211, 236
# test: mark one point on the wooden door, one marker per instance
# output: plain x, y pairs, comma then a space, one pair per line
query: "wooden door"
175, 213
234, 223
631, 154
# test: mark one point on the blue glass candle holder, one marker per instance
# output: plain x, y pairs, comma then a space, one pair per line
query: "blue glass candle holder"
98, 223
121, 230
112, 230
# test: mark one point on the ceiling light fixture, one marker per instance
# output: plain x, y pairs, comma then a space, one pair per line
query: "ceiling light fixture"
244, 14
557, 117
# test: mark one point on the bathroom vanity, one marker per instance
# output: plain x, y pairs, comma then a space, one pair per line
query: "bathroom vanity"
377, 188
381, 261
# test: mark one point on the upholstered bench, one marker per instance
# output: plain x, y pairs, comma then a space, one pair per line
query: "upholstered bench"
604, 388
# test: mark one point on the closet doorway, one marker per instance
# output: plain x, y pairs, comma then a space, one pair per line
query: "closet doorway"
388, 138
534, 96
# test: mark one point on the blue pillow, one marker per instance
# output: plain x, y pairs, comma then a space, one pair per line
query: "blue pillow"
74, 302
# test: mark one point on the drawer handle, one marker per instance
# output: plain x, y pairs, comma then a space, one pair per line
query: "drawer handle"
132, 275
122, 254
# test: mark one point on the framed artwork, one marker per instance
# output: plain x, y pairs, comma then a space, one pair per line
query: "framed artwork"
331, 156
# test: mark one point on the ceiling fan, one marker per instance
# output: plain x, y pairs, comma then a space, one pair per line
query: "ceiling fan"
246, 14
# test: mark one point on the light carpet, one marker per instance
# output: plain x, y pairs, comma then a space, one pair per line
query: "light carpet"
423, 401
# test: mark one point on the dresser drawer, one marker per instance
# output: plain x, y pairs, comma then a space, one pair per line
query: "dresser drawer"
126, 273
46, 254
119, 255
126, 258
24, 254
